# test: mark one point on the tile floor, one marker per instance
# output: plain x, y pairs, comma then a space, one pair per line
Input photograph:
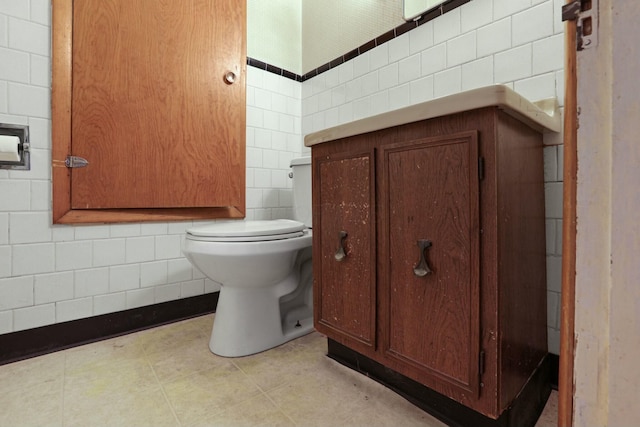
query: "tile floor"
166, 376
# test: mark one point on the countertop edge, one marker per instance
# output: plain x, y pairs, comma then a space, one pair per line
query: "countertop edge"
542, 115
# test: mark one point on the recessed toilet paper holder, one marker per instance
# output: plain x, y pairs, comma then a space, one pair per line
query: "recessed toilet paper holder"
23, 149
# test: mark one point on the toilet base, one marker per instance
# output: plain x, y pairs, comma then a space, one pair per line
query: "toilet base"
247, 325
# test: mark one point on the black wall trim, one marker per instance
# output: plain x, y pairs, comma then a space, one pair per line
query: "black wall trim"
429, 15
273, 69
555, 369
47, 339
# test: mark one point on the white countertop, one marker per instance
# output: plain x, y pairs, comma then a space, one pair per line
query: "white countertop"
541, 115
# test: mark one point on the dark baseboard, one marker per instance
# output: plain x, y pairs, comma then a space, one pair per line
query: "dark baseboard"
555, 368
524, 411
47, 339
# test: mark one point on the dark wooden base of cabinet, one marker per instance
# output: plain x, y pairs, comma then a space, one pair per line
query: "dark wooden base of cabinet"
555, 367
524, 411
47, 339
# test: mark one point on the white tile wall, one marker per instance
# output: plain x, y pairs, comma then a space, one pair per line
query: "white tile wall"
53, 287
154, 273
533, 24
74, 309
421, 38
108, 252
18, 292
495, 37
514, 42
51, 274
34, 316
91, 282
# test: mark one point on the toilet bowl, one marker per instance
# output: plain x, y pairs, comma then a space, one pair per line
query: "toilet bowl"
264, 270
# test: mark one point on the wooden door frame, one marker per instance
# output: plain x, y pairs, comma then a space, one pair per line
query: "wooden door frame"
566, 388
61, 107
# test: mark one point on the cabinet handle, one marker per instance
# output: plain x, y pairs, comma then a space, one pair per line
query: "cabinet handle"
340, 253
230, 77
422, 269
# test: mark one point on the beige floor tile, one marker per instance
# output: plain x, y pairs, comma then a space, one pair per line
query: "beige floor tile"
173, 336
204, 322
549, 417
168, 377
202, 395
257, 411
327, 395
35, 371
103, 353
132, 409
285, 363
31, 392
36, 404
314, 342
99, 378
391, 409
184, 359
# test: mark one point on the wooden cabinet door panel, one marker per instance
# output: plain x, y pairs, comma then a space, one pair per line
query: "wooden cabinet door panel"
430, 191
345, 289
150, 109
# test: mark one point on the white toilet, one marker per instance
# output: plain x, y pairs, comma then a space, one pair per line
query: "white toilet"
264, 269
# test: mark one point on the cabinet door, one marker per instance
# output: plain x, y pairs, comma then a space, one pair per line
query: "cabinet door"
344, 253
149, 108
430, 322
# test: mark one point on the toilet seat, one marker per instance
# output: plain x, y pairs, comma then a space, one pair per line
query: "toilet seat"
247, 231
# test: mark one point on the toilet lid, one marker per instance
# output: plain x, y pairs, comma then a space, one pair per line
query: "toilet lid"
248, 230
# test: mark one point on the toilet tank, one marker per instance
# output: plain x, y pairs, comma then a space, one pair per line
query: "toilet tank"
301, 174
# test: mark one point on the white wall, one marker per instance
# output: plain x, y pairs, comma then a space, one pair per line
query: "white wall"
331, 28
607, 321
519, 43
50, 274
274, 33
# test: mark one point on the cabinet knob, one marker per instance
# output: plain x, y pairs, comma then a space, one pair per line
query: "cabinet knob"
340, 253
422, 268
230, 77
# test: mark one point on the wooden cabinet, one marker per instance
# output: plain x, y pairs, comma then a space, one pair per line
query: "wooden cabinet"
347, 248
139, 91
442, 226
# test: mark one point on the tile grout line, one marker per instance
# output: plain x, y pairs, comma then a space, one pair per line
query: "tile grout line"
164, 394
265, 394
62, 386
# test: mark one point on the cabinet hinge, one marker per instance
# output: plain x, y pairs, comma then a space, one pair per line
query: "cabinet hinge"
75, 162
481, 366
585, 13
480, 168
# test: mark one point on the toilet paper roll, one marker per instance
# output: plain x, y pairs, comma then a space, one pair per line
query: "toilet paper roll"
9, 148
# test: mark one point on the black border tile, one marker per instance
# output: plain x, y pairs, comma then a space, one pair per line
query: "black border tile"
326, 67
367, 46
310, 74
290, 75
452, 4
256, 63
407, 26
381, 39
389, 35
350, 55
273, 69
336, 62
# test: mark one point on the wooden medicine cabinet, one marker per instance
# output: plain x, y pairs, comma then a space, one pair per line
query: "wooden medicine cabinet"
152, 95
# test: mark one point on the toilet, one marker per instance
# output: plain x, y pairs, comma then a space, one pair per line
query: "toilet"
264, 271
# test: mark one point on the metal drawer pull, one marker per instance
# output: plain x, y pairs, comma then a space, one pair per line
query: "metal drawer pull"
340, 253
422, 269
